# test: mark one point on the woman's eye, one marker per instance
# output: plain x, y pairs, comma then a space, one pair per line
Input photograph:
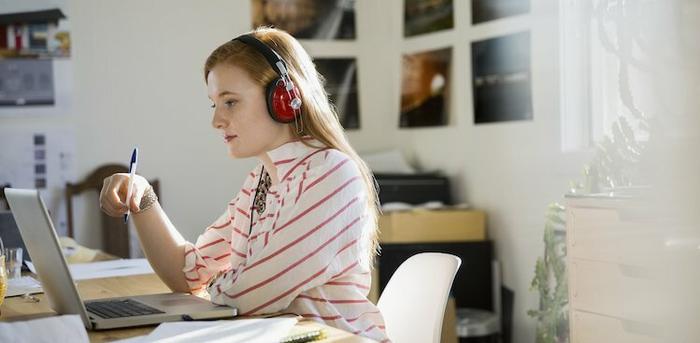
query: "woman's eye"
230, 103
212, 106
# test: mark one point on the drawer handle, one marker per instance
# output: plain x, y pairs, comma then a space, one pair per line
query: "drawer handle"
635, 272
640, 328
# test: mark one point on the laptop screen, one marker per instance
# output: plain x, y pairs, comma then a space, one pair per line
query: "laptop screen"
9, 233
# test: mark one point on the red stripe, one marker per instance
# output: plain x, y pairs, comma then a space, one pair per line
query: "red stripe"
360, 316
301, 186
304, 236
212, 243
238, 231
334, 301
336, 317
189, 252
369, 328
238, 253
267, 238
284, 161
218, 257
274, 224
345, 283
320, 178
256, 235
312, 315
243, 212
262, 219
252, 174
245, 191
323, 270
196, 268
191, 280
344, 270
317, 204
347, 246
300, 162
221, 226
291, 266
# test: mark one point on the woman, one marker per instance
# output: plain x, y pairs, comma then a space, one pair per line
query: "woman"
300, 235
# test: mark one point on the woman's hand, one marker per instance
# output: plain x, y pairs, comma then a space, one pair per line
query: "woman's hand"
113, 195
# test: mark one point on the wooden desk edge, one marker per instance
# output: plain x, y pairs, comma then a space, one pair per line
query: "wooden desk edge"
16, 308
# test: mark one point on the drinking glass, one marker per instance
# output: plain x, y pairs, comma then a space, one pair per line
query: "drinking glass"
13, 262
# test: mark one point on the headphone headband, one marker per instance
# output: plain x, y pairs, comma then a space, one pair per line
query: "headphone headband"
272, 57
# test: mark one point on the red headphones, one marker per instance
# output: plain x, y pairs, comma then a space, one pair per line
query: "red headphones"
283, 99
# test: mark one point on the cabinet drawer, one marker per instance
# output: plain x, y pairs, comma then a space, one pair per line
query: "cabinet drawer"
599, 234
616, 290
593, 328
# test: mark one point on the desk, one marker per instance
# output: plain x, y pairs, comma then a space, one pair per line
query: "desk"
16, 308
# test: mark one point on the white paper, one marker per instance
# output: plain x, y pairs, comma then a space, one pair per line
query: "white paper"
23, 285
264, 330
103, 269
69, 328
388, 162
30, 265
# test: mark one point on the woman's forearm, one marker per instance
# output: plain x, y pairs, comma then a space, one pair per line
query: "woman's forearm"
163, 246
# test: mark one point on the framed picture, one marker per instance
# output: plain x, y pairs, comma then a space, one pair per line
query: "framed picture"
307, 19
26, 82
426, 16
341, 85
425, 83
501, 79
485, 10
36, 73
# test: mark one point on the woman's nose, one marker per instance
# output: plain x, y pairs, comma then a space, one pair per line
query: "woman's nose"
218, 121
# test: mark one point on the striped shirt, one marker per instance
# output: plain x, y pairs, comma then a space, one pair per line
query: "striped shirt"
306, 252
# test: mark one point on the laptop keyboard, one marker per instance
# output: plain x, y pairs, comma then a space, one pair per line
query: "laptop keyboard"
120, 308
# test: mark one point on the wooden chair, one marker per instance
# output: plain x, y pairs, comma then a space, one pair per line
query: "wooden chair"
4, 205
115, 233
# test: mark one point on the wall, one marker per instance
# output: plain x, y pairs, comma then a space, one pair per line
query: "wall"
138, 81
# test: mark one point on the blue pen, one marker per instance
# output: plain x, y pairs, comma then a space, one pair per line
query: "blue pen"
132, 171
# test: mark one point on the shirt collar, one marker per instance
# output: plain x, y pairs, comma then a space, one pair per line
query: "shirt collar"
288, 155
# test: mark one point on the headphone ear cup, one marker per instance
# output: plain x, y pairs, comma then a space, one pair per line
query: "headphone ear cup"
279, 101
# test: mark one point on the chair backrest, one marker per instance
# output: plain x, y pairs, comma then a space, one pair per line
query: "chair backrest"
413, 302
115, 233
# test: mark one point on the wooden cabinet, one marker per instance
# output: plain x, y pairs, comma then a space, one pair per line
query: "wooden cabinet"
616, 278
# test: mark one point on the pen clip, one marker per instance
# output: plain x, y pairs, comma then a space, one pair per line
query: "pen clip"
134, 159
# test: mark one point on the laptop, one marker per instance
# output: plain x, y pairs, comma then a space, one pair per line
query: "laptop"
40, 238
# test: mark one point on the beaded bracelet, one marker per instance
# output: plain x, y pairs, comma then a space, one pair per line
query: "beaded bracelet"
148, 200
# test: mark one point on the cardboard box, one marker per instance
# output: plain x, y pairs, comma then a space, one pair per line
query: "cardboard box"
432, 226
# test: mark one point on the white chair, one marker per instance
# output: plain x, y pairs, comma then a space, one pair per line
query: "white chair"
413, 301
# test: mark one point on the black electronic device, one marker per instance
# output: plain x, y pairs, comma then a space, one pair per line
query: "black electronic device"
413, 189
